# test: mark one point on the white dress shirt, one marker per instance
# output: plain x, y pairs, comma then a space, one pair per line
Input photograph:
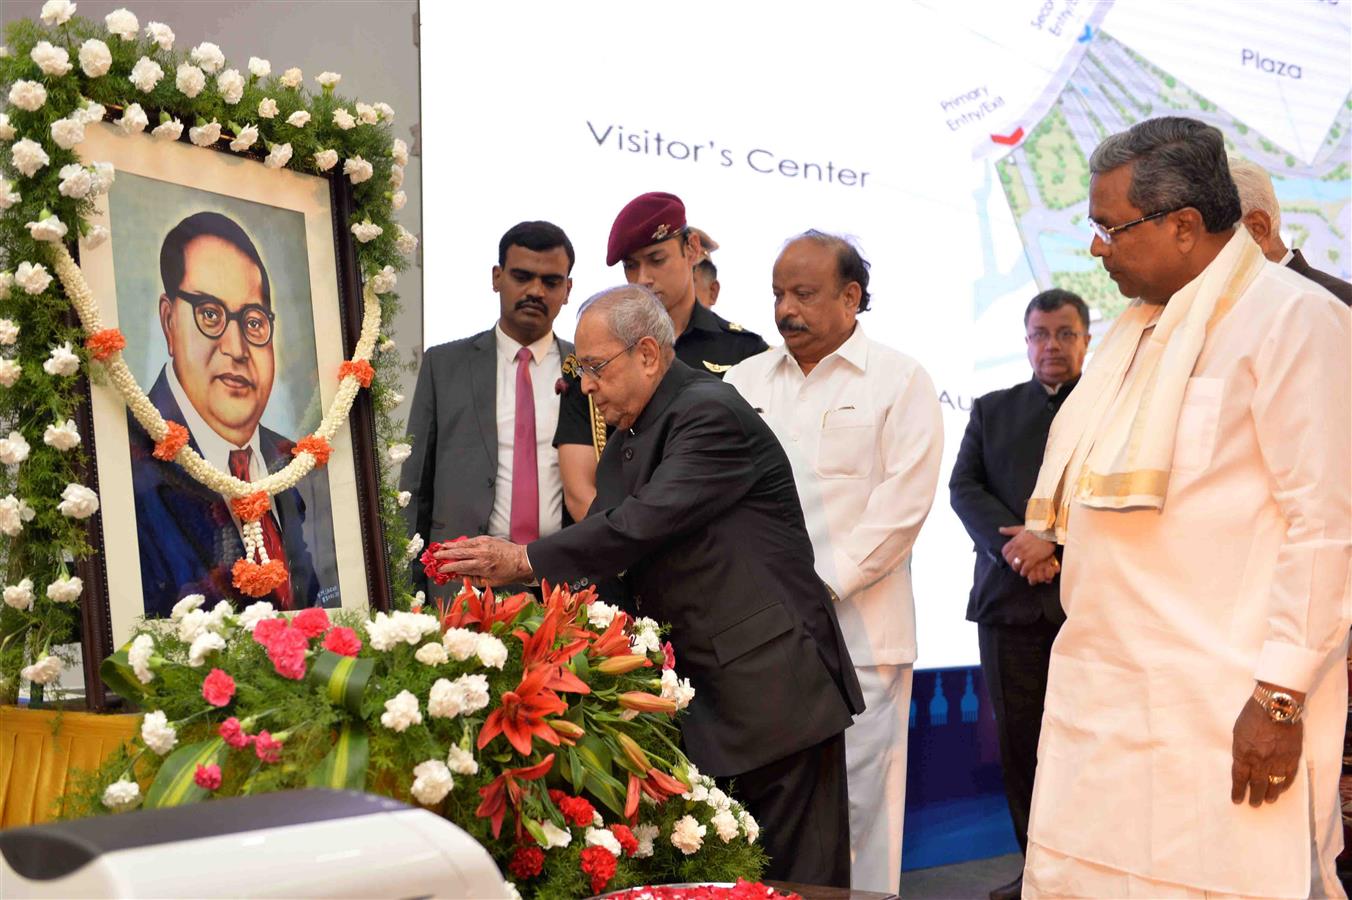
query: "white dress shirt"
545, 368
864, 435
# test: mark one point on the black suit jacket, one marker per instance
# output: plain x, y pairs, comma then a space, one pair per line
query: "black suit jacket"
696, 504
993, 477
1335, 286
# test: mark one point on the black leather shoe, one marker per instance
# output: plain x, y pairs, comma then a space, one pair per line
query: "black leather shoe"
1011, 891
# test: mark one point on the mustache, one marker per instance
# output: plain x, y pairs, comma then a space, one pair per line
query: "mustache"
532, 302
789, 324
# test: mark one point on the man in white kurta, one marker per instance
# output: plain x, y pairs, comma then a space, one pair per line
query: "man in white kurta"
1199, 478
861, 425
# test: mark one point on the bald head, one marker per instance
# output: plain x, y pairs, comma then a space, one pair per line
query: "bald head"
1259, 209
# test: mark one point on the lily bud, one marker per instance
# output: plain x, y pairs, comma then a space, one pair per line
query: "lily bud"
667, 783
567, 729
633, 752
619, 665
644, 702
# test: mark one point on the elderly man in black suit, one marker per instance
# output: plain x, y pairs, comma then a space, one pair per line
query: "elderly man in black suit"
1015, 592
696, 504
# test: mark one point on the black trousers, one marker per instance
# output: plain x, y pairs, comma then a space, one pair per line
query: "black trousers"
802, 805
1015, 659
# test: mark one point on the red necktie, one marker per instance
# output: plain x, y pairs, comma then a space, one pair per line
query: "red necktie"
272, 535
525, 474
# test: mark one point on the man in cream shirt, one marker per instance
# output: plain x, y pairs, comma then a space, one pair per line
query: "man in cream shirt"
1199, 479
861, 425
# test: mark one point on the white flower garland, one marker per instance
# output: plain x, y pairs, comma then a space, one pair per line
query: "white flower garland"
82, 298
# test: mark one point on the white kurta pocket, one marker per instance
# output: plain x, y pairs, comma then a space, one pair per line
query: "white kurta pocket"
847, 443
1198, 421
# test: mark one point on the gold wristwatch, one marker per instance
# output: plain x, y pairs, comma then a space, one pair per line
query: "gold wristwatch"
1279, 705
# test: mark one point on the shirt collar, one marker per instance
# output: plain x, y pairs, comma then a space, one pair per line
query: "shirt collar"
703, 318
215, 449
1286, 260
854, 351
508, 347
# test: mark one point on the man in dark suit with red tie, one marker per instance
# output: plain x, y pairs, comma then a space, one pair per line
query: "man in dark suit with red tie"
217, 318
1015, 597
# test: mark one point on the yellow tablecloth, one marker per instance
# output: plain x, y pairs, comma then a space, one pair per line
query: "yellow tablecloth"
38, 756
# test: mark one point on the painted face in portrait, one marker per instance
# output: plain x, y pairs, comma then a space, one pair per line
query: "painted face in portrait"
665, 269
532, 286
219, 329
814, 311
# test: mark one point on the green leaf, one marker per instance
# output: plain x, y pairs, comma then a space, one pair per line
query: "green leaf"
118, 675
174, 784
594, 753
574, 770
607, 790
345, 764
535, 831
342, 679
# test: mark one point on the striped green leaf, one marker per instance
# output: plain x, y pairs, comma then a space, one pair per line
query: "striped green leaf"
117, 674
174, 784
345, 765
342, 679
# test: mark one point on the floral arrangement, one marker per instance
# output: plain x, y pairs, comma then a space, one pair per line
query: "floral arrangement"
742, 890
546, 729
60, 75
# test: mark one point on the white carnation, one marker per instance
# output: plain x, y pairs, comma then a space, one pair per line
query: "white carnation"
246, 138
403, 498
138, 654
122, 23
193, 624
278, 156
57, 12
190, 603
604, 837
555, 836
385, 112
291, 78
28, 156
190, 80
208, 56
688, 835
677, 689
122, 794
491, 651
157, 733
460, 643
255, 613
146, 74
51, 60
44, 671
443, 700
75, 181
68, 132
461, 761
95, 58
103, 175
205, 135
171, 130
267, 108
204, 643
9, 332
600, 614
357, 170
161, 34
7, 131
401, 711
326, 159
328, 80
471, 692
749, 825
396, 176
78, 502
398, 200
230, 84
298, 119
259, 68
62, 361
432, 781
366, 114
400, 152
405, 241
65, 590
414, 546
431, 655
400, 452
19, 596
8, 197
13, 449
387, 630
216, 618
384, 281
49, 229
63, 435
133, 120
387, 345
725, 825
89, 113
10, 370
645, 833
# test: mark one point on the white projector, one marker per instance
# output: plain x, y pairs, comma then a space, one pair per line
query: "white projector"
314, 843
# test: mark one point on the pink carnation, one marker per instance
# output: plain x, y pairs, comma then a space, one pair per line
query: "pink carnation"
267, 629
233, 733
313, 621
218, 688
343, 641
268, 750
208, 777
287, 652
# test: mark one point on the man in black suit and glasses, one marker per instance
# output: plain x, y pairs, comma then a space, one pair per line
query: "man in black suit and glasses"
1015, 591
696, 505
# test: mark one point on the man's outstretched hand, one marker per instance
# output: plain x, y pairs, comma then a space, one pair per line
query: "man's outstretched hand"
486, 561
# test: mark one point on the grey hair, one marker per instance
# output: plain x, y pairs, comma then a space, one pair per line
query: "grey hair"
1255, 190
632, 312
1176, 162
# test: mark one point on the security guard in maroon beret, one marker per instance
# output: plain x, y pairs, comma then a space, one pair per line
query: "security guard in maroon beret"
659, 251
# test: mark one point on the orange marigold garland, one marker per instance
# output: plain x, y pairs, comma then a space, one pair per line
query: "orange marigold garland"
315, 446
258, 580
103, 344
252, 507
175, 439
359, 369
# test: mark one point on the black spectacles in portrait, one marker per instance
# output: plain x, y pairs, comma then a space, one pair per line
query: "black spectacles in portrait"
212, 318
595, 371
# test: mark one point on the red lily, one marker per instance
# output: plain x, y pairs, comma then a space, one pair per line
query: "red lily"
662, 787
505, 789
560, 597
484, 610
522, 713
613, 641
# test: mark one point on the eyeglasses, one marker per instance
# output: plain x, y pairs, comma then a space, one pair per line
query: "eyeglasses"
1105, 233
212, 318
594, 372
1040, 336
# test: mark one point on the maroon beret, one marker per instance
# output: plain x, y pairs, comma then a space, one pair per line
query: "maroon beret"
646, 220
